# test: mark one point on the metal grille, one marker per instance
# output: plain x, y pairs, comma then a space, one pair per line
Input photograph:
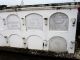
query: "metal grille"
59, 21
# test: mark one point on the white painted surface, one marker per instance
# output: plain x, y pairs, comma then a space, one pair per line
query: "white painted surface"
16, 41
13, 22
57, 44
1, 24
34, 21
35, 42
68, 35
3, 41
45, 34
59, 22
34, 26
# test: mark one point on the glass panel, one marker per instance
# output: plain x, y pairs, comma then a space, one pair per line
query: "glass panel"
13, 22
34, 21
59, 21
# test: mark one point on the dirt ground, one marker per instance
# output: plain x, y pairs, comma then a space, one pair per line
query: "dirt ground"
4, 55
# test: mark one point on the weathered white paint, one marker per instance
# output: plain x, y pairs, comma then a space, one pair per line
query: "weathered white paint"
35, 42
3, 41
57, 44
16, 41
59, 22
1, 24
34, 21
13, 22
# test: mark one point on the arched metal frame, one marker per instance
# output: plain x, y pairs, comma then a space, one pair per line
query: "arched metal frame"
57, 44
59, 21
13, 25
37, 22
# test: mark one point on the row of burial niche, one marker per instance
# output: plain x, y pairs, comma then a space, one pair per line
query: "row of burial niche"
57, 44
13, 41
33, 21
57, 21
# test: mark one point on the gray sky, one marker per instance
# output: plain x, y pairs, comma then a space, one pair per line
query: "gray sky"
30, 2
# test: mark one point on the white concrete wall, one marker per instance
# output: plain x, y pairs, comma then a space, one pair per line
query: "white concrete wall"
34, 34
